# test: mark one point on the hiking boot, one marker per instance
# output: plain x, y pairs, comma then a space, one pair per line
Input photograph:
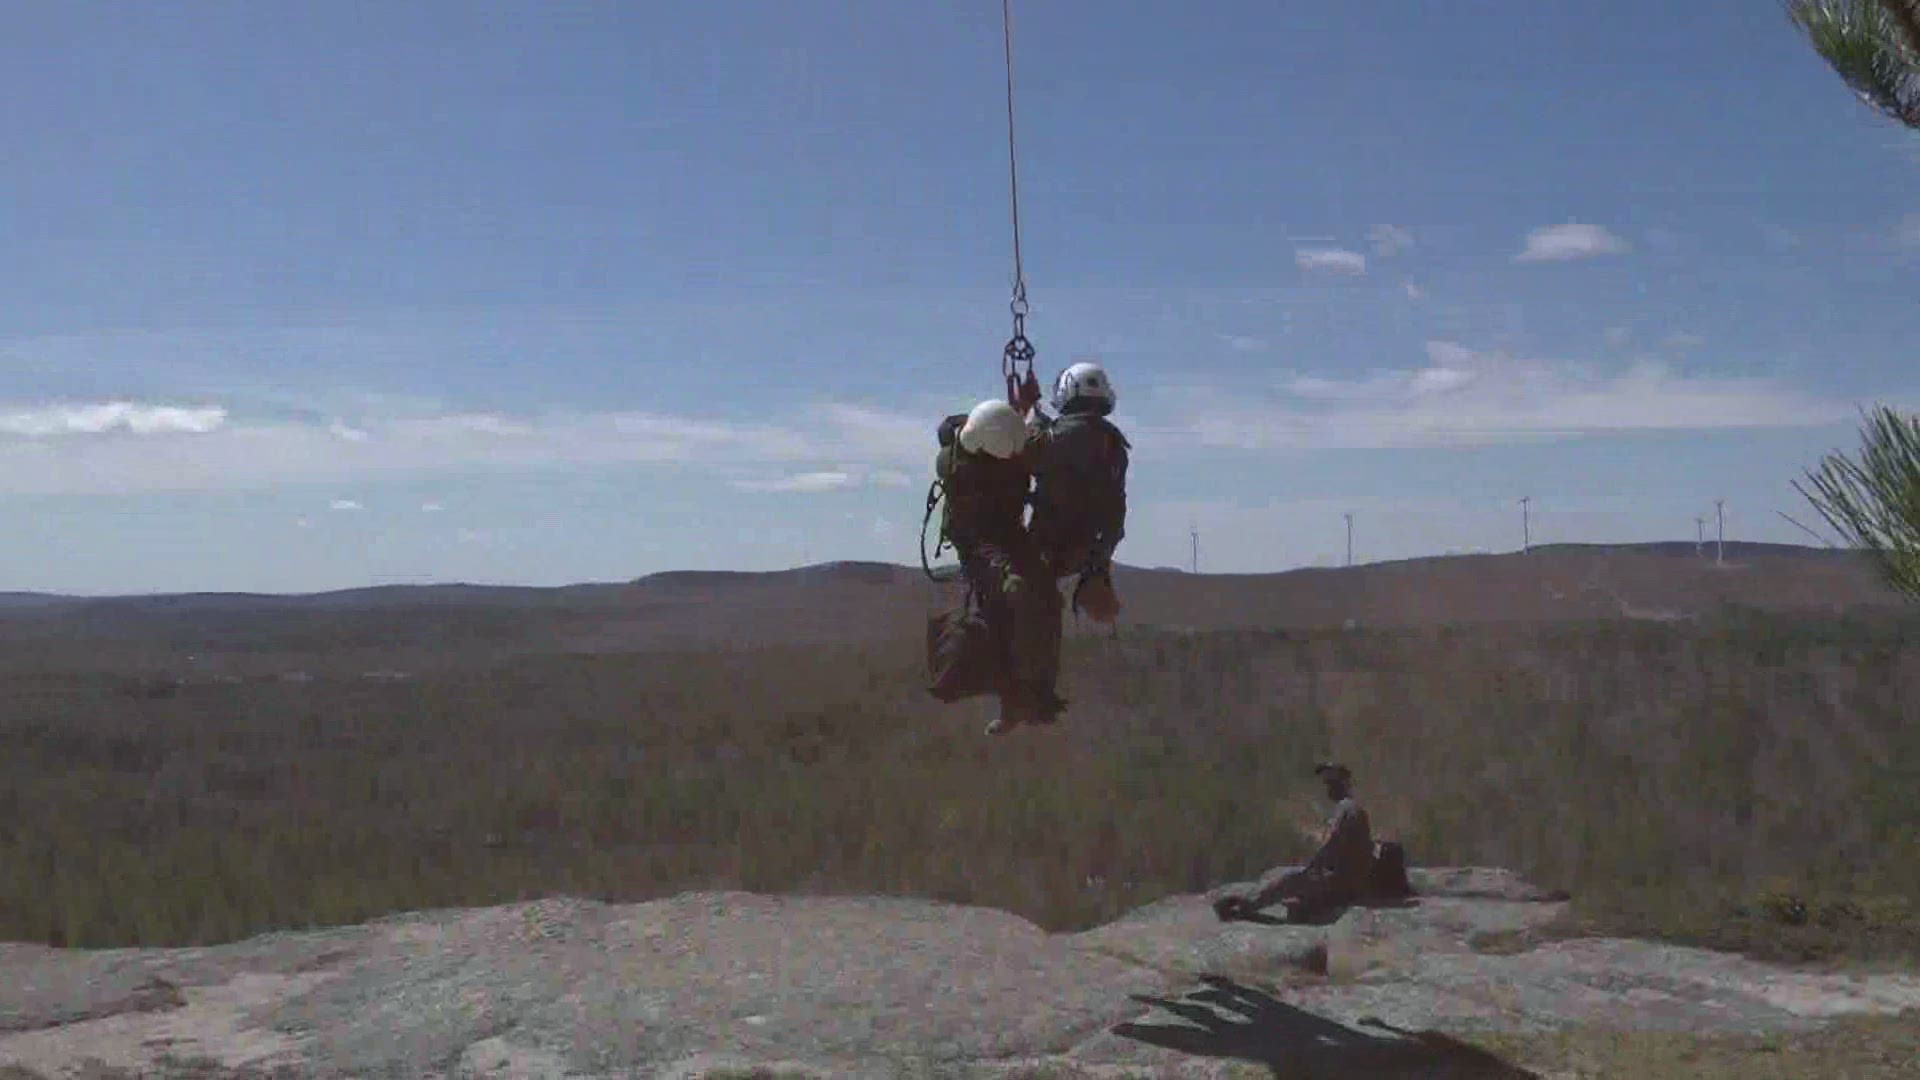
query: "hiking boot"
1229, 908
1014, 711
1050, 711
1095, 596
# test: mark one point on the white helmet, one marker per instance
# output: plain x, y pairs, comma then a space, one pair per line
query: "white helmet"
993, 428
1084, 382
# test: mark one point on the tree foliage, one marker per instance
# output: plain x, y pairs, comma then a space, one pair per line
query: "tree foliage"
1874, 500
1874, 45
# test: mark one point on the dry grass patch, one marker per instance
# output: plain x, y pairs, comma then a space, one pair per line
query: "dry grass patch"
1632, 765
1858, 1048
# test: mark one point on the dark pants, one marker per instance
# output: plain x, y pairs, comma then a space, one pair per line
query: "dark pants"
1307, 893
1065, 555
1022, 604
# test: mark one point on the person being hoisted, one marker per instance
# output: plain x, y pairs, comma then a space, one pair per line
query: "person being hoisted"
1079, 464
984, 468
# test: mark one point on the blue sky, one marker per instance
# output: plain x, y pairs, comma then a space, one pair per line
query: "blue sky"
312, 296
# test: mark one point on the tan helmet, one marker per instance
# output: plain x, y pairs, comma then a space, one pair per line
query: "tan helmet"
993, 428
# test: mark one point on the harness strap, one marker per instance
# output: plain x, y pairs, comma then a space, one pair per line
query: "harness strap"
935, 492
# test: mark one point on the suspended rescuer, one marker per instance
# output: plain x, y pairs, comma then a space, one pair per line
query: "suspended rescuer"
1079, 461
984, 467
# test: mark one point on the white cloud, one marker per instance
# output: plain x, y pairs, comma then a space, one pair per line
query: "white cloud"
1447, 374
860, 431
1415, 292
884, 446
1619, 335
805, 483
1466, 398
106, 417
1330, 260
843, 478
458, 424
1561, 243
431, 508
1389, 240
345, 506
1439, 380
1316, 388
1445, 353
1242, 343
340, 430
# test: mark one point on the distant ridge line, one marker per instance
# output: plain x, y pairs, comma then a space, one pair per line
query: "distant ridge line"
455, 594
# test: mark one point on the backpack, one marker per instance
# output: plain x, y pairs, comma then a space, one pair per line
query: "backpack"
946, 434
1388, 877
961, 653
963, 658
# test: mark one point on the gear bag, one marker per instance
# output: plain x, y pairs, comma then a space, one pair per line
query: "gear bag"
1388, 877
962, 658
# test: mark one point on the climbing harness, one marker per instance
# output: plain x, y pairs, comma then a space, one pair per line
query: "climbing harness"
1023, 392
936, 493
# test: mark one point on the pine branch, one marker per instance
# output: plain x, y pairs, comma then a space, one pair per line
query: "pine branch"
1873, 45
1905, 16
1874, 501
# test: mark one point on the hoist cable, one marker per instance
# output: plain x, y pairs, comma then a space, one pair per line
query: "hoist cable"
1013, 166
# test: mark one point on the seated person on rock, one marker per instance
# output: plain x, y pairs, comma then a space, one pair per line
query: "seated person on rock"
1337, 875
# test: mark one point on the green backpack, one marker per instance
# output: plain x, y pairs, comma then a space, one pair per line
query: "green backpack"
946, 435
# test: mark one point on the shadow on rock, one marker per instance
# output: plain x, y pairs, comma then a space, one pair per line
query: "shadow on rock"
1330, 915
1320, 916
1228, 1020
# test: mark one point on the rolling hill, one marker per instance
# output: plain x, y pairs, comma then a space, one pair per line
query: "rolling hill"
391, 627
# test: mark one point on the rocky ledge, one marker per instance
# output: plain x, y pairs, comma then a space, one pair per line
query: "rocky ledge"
737, 984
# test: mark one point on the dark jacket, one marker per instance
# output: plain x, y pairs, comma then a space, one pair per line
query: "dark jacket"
1347, 855
1080, 491
986, 497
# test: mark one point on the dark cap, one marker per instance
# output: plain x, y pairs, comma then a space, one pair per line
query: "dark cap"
1335, 768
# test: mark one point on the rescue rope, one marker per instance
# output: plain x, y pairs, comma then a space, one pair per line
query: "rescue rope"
1022, 393
1016, 360
1013, 166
